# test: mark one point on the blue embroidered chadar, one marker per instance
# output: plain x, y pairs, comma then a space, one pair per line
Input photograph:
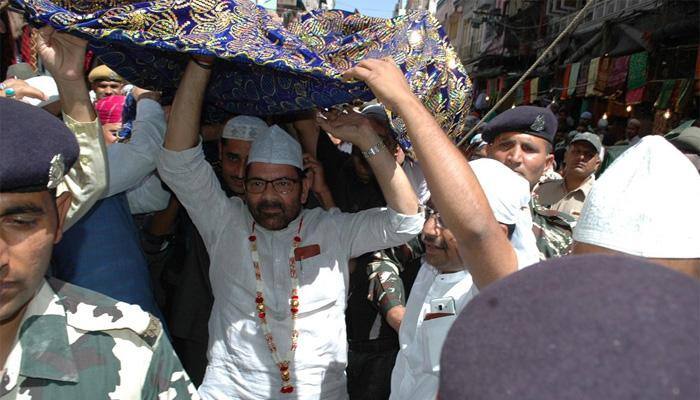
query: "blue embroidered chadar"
264, 68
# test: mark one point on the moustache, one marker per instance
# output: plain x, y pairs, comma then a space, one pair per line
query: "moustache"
268, 204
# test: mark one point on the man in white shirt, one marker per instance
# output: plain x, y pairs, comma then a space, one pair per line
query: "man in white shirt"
278, 273
444, 285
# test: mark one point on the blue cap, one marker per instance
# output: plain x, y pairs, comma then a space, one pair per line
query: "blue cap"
37, 149
536, 121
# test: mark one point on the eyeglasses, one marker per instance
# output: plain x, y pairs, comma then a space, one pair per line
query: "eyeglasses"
430, 213
281, 185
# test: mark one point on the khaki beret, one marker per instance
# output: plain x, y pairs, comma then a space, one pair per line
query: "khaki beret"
103, 73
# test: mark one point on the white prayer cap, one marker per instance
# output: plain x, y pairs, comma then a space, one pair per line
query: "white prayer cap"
509, 197
244, 127
645, 204
275, 146
47, 85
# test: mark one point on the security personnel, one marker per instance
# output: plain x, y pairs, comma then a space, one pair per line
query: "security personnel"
57, 340
522, 139
105, 82
582, 160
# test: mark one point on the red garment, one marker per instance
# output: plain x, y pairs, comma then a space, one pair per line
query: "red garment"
526, 92
109, 109
565, 83
27, 47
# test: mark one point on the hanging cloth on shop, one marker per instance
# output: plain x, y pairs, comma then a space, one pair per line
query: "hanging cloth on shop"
527, 99
637, 77
573, 78
663, 101
678, 96
601, 82
618, 75
582, 80
534, 88
592, 77
565, 82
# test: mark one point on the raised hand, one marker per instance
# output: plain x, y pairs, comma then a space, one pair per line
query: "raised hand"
62, 54
385, 79
350, 126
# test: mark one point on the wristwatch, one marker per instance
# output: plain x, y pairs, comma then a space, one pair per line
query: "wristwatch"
374, 150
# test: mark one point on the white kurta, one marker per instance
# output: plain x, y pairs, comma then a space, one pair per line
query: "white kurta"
240, 364
416, 374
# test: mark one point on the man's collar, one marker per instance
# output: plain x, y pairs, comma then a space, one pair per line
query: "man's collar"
585, 186
43, 337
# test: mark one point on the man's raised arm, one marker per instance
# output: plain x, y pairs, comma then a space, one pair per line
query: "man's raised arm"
454, 188
183, 124
63, 56
361, 131
182, 165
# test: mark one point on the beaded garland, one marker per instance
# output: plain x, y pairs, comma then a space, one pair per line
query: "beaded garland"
260, 307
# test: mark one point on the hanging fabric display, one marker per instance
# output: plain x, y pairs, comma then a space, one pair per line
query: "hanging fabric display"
573, 78
582, 80
565, 82
680, 91
601, 82
663, 101
637, 77
618, 75
519, 95
534, 88
526, 92
592, 78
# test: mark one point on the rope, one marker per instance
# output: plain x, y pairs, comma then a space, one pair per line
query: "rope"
565, 32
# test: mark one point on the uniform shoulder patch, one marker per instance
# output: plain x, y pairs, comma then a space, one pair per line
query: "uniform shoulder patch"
152, 332
93, 312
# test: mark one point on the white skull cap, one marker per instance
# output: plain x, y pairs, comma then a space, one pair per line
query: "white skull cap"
244, 127
275, 146
645, 204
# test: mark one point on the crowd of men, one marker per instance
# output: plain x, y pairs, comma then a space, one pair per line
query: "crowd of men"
310, 258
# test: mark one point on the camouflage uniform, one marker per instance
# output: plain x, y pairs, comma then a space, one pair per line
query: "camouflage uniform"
77, 344
552, 230
373, 344
386, 286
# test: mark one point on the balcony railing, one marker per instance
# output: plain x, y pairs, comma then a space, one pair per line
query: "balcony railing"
601, 11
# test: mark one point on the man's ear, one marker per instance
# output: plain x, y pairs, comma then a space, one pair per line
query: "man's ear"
63, 203
504, 228
306, 186
598, 163
549, 161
